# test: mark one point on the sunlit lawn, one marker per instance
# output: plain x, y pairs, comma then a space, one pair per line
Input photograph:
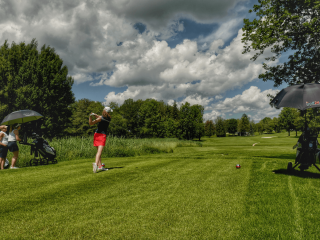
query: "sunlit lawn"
192, 193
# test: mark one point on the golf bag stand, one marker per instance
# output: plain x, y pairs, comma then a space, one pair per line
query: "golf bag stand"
307, 152
42, 151
37, 159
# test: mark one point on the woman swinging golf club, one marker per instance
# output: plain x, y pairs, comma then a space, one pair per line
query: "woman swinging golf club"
12, 143
3, 145
100, 135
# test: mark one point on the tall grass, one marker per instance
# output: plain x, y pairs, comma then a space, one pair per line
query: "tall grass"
71, 148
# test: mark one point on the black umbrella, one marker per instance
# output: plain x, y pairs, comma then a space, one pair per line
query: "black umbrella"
21, 116
300, 96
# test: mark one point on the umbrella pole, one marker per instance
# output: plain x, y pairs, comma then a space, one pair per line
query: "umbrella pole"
305, 121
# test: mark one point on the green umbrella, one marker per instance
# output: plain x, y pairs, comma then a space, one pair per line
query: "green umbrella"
21, 116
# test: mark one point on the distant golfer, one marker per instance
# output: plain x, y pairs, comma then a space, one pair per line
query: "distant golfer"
100, 135
12, 143
3, 145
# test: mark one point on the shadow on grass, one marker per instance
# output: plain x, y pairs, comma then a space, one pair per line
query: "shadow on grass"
303, 174
114, 167
108, 169
291, 157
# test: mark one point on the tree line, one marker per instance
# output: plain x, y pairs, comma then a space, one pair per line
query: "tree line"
220, 127
141, 118
289, 119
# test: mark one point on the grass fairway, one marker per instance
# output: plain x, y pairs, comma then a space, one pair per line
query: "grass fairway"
193, 193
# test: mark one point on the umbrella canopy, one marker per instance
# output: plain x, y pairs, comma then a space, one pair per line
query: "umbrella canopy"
300, 96
21, 116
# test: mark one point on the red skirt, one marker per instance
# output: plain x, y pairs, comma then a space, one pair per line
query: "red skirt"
99, 139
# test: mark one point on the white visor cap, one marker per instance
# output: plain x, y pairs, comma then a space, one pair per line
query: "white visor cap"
108, 109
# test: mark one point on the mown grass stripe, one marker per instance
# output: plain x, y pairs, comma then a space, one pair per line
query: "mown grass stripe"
296, 209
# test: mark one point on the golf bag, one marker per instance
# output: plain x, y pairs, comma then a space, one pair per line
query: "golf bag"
43, 152
307, 151
43, 147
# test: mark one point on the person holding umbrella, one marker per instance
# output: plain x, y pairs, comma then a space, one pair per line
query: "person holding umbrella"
3, 145
12, 143
100, 135
15, 119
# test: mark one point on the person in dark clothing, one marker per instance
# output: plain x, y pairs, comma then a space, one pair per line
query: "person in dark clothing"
100, 135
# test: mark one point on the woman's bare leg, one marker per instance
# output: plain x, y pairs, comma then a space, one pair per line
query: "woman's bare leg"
2, 160
98, 155
14, 158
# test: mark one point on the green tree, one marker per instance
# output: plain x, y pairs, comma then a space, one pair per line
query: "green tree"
283, 26
150, 118
313, 118
286, 118
114, 106
118, 125
175, 111
171, 128
36, 80
209, 128
298, 123
259, 127
129, 110
276, 125
191, 121
244, 124
232, 126
252, 128
267, 125
220, 128
185, 122
197, 111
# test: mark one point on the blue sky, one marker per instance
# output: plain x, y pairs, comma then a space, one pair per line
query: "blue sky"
182, 50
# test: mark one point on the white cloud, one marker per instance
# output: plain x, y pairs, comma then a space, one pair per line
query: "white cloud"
184, 71
213, 115
252, 100
196, 99
119, 98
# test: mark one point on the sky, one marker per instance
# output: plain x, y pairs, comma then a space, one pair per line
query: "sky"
169, 50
